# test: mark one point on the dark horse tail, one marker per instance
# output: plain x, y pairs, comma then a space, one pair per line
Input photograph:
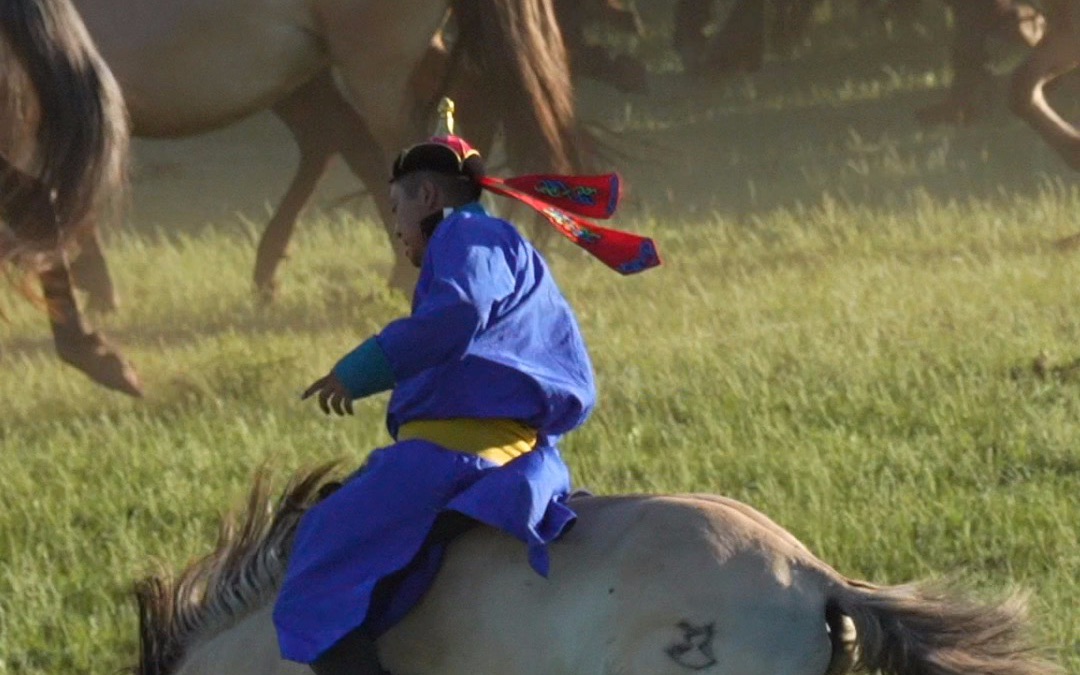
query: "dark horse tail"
923, 629
82, 135
518, 48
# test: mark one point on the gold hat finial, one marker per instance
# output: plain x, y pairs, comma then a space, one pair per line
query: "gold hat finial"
446, 117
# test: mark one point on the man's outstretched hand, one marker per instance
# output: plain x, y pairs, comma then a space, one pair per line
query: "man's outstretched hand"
332, 394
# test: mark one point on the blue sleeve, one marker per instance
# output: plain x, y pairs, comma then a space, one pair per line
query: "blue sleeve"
470, 273
365, 370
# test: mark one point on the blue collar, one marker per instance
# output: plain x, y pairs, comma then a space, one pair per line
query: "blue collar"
428, 224
472, 207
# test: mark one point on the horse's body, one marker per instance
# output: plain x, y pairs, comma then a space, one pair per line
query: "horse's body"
63, 157
643, 585
190, 67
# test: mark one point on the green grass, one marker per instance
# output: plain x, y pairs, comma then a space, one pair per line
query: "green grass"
864, 378
850, 350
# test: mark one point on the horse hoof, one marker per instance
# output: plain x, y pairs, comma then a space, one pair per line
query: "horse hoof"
266, 294
122, 377
104, 364
1069, 243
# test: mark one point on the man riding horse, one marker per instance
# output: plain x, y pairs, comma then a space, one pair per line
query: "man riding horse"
487, 372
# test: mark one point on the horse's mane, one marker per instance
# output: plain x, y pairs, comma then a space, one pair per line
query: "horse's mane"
217, 590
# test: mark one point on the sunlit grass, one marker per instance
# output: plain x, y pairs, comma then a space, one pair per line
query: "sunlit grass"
865, 378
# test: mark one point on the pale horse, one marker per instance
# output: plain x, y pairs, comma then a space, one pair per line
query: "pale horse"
194, 66
642, 585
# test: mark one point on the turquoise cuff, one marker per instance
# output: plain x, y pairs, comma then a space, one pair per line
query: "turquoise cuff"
365, 370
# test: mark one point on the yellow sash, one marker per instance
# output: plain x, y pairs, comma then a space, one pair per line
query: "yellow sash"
496, 440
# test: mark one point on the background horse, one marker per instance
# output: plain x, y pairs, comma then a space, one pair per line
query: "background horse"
63, 155
1057, 54
740, 43
643, 585
187, 68
325, 125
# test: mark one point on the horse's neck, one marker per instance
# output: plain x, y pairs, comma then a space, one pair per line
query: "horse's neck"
247, 648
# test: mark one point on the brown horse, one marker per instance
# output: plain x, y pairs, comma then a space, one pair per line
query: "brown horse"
190, 67
977, 23
642, 585
63, 155
739, 45
1057, 54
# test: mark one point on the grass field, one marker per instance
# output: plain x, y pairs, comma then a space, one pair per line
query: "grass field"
862, 329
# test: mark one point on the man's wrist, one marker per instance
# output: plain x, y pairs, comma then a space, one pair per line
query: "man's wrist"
365, 370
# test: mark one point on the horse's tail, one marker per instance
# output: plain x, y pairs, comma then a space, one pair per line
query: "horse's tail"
926, 629
82, 136
518, 46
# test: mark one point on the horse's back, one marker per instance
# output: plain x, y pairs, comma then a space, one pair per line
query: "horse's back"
640, 585
189, 67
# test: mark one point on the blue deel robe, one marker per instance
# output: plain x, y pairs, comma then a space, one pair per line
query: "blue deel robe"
490, 336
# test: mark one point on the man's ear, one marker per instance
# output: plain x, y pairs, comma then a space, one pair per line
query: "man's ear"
429, 194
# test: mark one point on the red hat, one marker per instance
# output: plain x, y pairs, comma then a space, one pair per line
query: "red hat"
444, 153
562, 200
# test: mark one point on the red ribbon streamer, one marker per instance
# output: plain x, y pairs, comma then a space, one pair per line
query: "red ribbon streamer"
624, 252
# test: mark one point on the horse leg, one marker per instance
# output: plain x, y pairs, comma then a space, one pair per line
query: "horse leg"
91, 272
739, 47
365, 158
77, 343
376, 52
791, 21
323, 124
1057, 54
976, 22
689, 41
300, 113
623, 72
969, 57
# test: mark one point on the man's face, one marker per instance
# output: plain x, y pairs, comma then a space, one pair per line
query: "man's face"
409, 210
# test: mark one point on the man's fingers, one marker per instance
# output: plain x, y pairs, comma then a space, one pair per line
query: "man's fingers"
338, 402
315, 386
332, 395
